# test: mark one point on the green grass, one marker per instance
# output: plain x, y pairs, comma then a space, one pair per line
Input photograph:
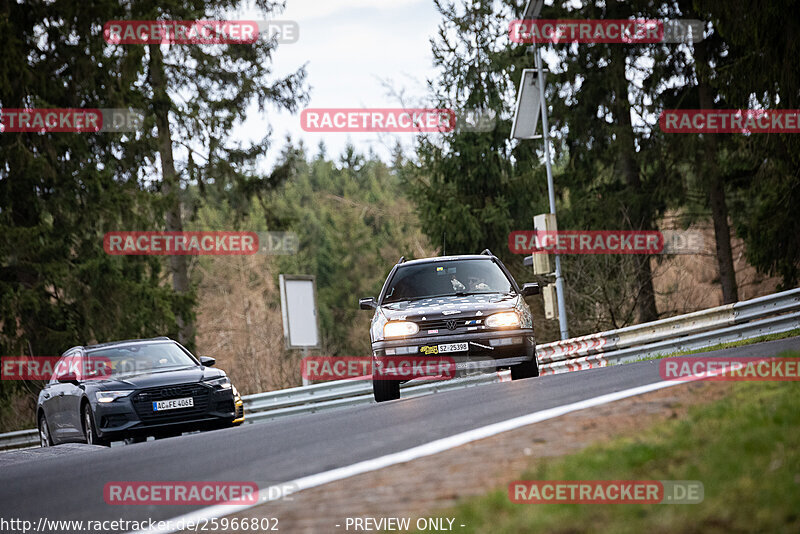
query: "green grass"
721, 346
745, 449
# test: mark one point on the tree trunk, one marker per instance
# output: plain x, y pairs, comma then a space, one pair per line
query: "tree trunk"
715, 189
638, 212
171, 189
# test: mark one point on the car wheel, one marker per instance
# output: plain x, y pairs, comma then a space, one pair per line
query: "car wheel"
527, 369
385, 390
44, 432
89, 430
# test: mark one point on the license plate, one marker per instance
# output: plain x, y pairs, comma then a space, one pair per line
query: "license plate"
453, 347
172, 404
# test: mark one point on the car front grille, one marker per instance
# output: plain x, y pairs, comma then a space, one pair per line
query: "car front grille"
143, 403
447, 324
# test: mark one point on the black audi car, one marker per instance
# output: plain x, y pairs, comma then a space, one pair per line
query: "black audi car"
467, 310
129, 390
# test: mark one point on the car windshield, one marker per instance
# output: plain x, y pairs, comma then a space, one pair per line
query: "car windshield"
138, 358
447, 278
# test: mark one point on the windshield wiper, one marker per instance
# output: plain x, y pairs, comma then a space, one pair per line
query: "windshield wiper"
405, 299
149, 371
455, 294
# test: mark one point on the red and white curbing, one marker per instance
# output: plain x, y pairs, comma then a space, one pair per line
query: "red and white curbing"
579, 364
569, 348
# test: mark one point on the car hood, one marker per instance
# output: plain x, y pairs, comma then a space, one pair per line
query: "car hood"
449, 307
161, 378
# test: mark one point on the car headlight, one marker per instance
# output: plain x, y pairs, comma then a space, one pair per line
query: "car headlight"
110, 396
222, 383
502, 320
400, 329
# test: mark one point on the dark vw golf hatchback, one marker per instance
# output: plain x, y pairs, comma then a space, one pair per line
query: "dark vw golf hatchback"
133, 389
465, 310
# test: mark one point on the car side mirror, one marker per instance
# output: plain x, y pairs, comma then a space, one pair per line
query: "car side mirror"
208, 361
68, 377
530, 289
367, 303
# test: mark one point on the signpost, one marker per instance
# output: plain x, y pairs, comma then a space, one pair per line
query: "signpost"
299, 311
526, 118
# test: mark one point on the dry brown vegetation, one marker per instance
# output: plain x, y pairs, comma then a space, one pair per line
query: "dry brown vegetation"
239, 323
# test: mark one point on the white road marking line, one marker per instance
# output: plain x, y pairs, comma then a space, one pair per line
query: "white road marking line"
420, 451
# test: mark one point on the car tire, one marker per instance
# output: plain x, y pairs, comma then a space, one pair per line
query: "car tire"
44, 433
89, 430
385, 390
529, 369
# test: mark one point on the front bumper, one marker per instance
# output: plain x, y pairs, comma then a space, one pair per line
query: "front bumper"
486, 351
133, 415
239, 410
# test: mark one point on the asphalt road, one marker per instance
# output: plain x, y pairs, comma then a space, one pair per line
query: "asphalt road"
67, 482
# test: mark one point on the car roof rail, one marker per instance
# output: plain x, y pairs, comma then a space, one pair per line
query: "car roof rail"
121, 341
402, 259
487, 252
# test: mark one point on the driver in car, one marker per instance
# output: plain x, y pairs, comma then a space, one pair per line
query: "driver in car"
456, 283
477, 284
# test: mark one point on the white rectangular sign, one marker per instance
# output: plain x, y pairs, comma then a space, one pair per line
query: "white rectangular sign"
299, 310
526, 116
532, 9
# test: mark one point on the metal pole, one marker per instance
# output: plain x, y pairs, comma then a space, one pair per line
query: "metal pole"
562, 307
306, 381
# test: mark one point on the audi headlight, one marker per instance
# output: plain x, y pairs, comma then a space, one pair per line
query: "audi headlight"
502, 320
400, 329
110, 396
221, 383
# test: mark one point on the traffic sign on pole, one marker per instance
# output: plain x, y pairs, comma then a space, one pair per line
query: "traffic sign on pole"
526, 116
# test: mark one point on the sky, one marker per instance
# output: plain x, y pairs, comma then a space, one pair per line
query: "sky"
351, 49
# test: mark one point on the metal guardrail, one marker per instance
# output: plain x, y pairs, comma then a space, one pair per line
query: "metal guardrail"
771, 314
19, 439
671, 328
347, 393
774, 325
